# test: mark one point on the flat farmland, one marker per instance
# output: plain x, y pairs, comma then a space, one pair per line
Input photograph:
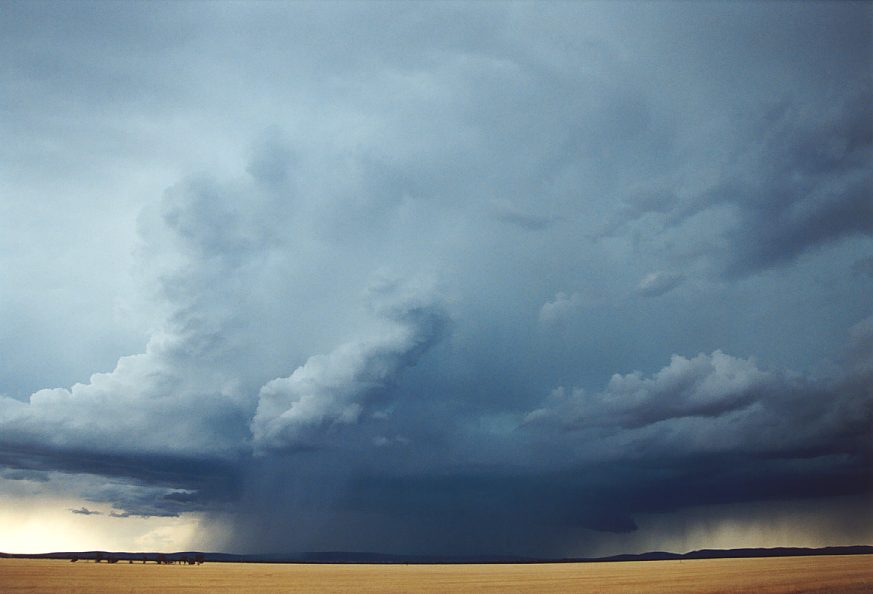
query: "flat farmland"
844, 574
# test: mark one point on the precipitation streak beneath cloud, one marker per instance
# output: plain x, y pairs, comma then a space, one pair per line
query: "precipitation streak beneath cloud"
441, 278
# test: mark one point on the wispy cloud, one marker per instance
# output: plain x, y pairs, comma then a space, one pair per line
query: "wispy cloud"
84, 511
655, 284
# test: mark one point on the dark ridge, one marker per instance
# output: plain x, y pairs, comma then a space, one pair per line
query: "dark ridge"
739, 553
386, 558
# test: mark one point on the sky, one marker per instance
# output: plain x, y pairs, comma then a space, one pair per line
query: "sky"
550, 279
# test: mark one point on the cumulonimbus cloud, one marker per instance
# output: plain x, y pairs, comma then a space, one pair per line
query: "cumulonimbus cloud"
257, 371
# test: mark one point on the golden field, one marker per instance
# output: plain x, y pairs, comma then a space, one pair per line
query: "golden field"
843, 574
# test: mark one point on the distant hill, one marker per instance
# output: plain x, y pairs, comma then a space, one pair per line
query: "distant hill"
358, 557
737, 553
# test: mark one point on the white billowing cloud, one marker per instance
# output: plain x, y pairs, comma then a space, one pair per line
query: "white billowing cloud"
179, 397
159, 401
717, 403
703, 386
659, 283
560, 308
336, 388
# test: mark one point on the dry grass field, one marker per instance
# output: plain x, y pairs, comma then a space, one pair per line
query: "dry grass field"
843, 574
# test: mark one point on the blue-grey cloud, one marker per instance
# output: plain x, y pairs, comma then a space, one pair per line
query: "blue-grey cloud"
863, 266
810, 182
658, 283
800, 181
530, 221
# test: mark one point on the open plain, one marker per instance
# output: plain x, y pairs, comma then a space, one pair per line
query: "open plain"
843, 574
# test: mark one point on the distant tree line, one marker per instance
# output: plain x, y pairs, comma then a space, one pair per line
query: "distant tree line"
159, 558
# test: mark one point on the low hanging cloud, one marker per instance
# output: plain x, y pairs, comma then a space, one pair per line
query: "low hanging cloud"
720, 404
704, 386
144, 406
713, 429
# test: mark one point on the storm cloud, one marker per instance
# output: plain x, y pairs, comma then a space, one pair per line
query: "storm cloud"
449, 278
